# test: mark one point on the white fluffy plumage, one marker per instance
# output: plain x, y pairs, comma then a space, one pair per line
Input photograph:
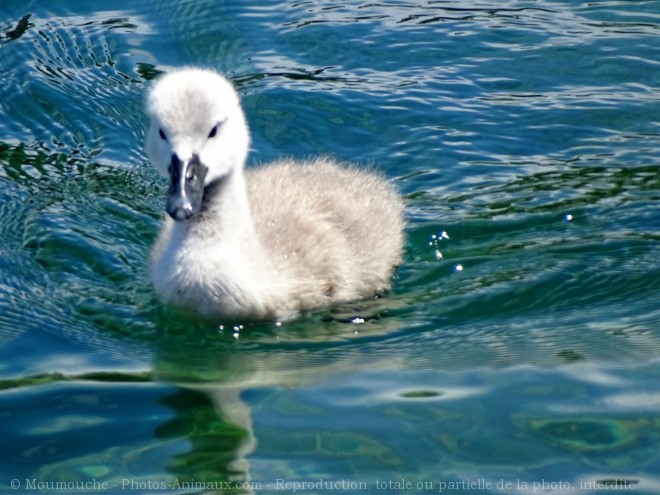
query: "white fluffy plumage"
267, 242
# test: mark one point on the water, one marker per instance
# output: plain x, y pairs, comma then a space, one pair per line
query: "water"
518, 352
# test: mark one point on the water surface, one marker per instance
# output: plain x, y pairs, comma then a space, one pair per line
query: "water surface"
520, 342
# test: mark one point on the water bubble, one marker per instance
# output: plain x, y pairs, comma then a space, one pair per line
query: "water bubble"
458, 268
435, 243
568, 217
357, 320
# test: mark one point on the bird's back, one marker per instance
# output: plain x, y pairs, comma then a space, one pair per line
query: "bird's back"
335, 230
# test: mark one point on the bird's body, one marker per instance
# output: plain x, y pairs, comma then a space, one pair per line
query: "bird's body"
268, 242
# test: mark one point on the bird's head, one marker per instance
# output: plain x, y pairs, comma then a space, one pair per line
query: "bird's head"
197, 135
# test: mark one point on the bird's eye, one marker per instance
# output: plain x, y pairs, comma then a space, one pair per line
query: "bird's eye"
162, 135
213, 132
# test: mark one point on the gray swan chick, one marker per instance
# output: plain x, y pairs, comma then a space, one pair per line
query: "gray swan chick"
264, 243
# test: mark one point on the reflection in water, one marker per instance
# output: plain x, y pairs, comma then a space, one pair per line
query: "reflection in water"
243, 432
219, 433
122, 431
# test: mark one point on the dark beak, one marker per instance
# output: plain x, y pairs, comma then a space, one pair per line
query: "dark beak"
184, 197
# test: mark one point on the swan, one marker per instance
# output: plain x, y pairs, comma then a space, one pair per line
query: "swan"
264, 243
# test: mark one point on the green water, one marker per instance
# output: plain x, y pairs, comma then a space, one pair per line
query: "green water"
518, 350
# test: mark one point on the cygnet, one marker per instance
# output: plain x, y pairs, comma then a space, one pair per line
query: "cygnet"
264, 243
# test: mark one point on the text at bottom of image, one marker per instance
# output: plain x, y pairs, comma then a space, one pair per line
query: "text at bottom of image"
300, 486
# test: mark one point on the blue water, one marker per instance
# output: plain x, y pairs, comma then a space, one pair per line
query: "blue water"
518, 351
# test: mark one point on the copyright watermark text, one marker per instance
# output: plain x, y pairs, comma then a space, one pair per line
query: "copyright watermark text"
33, 484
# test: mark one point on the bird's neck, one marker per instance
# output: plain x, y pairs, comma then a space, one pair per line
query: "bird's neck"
218, 252
225, 216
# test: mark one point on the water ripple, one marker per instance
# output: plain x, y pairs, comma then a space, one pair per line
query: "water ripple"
73, 59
